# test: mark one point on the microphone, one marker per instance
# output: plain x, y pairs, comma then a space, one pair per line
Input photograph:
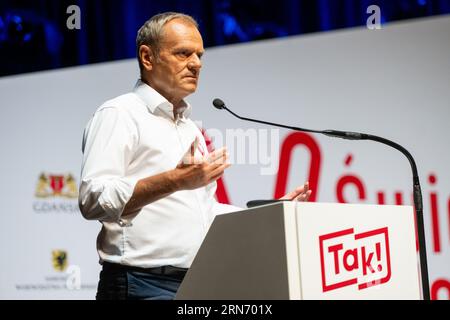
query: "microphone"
219, 104
349, 135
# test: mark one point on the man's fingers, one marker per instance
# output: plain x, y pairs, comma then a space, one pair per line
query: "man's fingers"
298, 193
217, 155
304, 196
216, 177
293, 194
220, 169
289, 196
221, 160
306, 186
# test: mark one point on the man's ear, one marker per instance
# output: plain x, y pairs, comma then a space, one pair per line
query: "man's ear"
146, 57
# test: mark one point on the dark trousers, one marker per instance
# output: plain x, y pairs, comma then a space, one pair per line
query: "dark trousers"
119, 282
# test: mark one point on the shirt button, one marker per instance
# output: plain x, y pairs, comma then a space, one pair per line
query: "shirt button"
124, 224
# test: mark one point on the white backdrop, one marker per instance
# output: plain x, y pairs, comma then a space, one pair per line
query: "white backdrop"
392, 82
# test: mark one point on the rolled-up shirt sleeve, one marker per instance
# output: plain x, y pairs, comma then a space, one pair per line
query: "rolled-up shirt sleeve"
108, 144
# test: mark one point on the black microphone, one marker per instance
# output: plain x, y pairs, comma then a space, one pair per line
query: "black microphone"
418, 205
219, 104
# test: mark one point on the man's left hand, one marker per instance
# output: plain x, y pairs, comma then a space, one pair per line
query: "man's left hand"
301, 193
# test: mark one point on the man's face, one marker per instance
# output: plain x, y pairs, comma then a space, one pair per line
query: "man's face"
175, 74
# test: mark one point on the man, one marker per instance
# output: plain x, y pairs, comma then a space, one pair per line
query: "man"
143, 176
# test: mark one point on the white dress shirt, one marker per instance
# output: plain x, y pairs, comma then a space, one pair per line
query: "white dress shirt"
129, 138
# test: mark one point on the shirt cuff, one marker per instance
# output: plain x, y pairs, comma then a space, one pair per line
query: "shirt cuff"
114, 198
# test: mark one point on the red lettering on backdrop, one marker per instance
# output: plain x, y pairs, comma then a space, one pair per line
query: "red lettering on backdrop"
448, 216
434, 216
440, 284
292, 140
380, 197
398, 196
350, 179
221, 192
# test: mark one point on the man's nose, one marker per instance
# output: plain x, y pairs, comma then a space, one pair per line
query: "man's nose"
195, 62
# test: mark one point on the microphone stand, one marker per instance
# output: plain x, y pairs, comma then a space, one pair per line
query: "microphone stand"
418, 205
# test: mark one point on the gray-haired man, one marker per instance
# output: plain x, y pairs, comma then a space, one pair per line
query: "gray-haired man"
146, 173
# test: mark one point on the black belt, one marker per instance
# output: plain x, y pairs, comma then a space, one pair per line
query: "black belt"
169, 271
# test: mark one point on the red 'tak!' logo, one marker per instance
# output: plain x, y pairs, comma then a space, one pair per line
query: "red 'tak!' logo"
349, 258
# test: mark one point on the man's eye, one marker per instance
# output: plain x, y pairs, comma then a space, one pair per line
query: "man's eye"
183, 54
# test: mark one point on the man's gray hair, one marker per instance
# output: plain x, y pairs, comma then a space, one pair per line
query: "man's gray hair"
151, 33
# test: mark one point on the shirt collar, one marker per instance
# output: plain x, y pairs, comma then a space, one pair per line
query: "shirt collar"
154, 100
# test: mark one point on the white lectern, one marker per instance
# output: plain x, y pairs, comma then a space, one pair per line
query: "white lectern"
302, 250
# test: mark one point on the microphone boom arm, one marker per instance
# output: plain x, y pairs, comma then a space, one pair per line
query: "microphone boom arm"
269, 123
